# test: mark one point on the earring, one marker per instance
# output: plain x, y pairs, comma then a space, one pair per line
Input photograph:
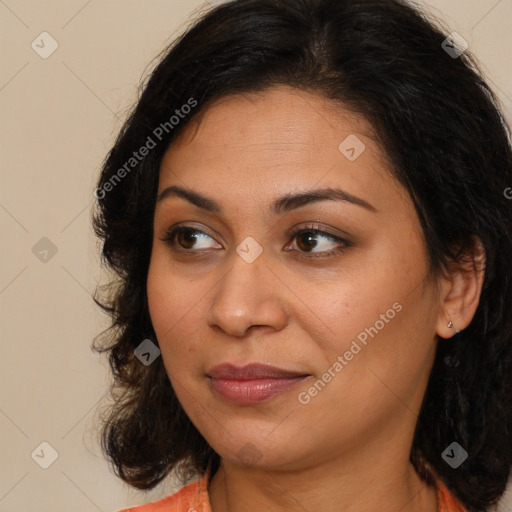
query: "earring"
450, 325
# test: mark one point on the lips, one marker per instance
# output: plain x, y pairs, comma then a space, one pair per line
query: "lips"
251, 371
252, 383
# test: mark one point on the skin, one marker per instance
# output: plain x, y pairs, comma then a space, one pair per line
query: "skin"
348, 447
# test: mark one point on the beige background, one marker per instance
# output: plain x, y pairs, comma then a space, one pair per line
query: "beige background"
59, 118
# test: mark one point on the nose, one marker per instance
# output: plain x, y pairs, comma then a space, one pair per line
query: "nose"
249, 296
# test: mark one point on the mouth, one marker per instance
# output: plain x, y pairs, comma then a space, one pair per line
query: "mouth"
252, 383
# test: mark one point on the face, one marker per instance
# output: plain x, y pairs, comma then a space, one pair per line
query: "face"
267, 267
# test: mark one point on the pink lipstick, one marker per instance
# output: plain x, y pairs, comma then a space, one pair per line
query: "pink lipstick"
252, 383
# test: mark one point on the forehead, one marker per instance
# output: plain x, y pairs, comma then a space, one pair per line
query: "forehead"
276, 141
280, 118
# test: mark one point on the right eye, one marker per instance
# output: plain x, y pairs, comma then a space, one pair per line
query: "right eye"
183, 238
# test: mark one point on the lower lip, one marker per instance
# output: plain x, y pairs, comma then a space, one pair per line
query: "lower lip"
254, 390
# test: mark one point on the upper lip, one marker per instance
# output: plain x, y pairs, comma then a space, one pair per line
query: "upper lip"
251, 371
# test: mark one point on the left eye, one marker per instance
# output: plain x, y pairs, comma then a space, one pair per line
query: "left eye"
307, 240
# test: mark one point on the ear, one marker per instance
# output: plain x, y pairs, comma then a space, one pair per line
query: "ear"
461, 289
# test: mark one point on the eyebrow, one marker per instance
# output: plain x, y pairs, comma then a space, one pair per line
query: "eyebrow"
281, 205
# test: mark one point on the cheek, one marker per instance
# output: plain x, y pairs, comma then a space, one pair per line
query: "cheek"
162, 297
385, 326
173, 308
389, 360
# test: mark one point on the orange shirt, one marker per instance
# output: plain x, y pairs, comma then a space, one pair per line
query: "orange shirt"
194, 498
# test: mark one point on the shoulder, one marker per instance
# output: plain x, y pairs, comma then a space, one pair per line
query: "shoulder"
447, 502
191, 498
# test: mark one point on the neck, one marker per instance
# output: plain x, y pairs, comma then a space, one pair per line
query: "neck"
376, 486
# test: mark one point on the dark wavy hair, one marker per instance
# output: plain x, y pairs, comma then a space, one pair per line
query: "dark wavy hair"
442, 129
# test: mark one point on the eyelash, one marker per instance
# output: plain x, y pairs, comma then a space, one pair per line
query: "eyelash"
311, 228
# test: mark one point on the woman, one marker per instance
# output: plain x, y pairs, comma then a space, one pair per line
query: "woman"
308, 213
